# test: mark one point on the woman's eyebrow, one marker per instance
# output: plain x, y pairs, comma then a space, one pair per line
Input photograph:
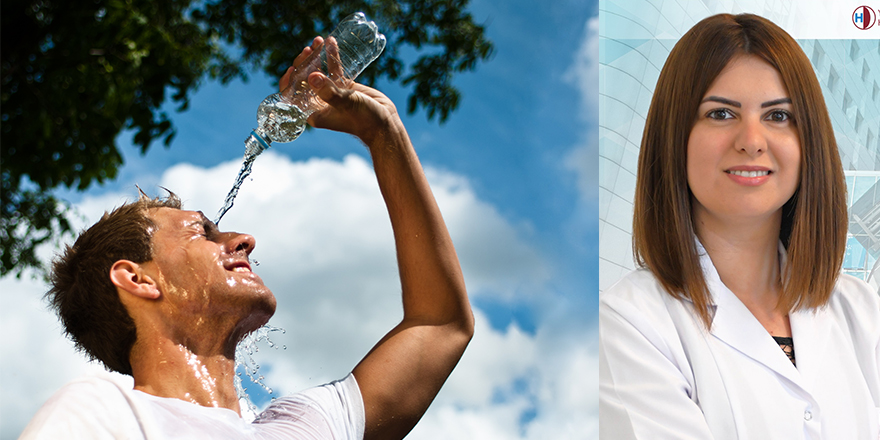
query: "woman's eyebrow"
737, 104
776, 102
729, 102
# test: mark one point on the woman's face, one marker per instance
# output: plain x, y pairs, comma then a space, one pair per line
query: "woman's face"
743, 153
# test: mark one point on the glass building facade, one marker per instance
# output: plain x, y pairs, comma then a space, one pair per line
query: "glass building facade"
635, 39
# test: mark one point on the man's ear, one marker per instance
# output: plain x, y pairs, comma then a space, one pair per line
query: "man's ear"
132, 278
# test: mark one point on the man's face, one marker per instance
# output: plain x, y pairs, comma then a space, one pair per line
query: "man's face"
204, 275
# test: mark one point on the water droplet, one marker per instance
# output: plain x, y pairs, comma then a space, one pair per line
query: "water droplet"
256, 263
244, 361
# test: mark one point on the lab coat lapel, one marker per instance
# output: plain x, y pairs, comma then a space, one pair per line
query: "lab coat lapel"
811, 331
735, 325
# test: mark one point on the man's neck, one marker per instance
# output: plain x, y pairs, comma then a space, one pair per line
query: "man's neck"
165, 368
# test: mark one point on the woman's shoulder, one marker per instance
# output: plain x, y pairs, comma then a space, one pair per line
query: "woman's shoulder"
857, 302
855, 290
638, 285
639, 293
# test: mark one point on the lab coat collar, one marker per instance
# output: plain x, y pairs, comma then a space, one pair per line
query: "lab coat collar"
735, 325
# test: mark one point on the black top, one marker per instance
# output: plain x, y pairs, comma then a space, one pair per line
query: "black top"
787, 346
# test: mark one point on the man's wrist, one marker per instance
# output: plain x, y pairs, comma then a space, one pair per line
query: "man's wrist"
387, 135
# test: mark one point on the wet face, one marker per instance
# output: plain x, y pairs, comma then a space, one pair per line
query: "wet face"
743, 154
204, 275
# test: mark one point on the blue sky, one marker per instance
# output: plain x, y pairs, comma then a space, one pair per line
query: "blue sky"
514, 172
519, 117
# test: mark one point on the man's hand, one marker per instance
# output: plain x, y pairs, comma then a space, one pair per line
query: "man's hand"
297, 71
348, 107
359, 110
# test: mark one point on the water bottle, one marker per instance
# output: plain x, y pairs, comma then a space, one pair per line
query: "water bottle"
282, 116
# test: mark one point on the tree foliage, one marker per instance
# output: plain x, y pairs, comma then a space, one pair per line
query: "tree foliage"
77, 73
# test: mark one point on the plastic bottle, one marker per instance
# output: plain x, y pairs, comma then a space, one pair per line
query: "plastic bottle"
282, 116
347, 51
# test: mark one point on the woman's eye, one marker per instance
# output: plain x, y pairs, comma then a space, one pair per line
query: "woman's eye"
779, 116
721, 113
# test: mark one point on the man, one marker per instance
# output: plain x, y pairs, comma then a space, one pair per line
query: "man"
161, 294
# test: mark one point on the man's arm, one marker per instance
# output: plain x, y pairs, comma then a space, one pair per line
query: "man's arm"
402, 374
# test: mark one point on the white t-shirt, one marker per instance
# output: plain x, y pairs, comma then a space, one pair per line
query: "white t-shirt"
104, 406
662, 375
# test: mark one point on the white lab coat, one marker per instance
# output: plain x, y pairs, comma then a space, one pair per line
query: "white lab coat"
663, 376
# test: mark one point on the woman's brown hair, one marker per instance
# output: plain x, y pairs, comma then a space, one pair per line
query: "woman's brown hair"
814, 219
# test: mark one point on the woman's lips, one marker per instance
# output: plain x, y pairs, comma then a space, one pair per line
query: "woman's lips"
749, 175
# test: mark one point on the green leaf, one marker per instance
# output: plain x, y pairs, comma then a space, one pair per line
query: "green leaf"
77, 73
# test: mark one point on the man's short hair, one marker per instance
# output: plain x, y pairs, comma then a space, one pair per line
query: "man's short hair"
82, 294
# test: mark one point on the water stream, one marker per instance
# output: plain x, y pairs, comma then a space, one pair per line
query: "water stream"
244, 361
254, 146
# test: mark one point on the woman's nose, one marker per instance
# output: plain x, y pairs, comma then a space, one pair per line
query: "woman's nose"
752, 138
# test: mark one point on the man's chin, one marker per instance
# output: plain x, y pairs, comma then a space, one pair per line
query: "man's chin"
261, 310
269, 303
256, 319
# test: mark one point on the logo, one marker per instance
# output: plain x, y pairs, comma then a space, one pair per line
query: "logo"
864, 17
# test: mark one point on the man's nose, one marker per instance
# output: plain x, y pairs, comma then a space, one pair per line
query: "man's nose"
240, 243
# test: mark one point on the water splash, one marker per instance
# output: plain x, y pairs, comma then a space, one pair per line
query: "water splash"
254, 146
244, 359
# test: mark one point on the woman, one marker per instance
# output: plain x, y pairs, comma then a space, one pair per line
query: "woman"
738, 325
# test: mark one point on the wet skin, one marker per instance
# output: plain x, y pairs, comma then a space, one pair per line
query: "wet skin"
191, 304
205, 277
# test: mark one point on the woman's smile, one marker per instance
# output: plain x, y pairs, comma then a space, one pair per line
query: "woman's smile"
743, 156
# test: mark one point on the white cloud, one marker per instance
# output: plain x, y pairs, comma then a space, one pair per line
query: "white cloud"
584, 71
490, 248
504, 376
36, 358
584, 75
325, 247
